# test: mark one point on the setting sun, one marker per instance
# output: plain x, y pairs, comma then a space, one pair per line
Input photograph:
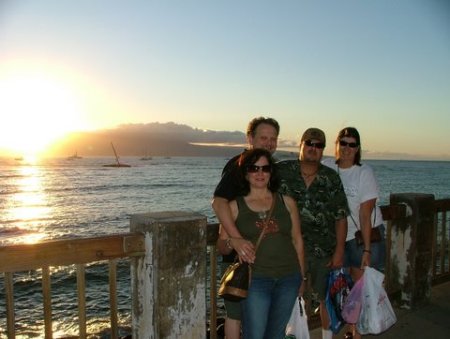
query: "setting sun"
38, 109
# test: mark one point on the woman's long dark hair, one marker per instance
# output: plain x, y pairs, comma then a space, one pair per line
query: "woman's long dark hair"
350, 132
249, 158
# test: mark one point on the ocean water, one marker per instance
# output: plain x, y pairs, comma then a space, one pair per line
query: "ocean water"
60, 198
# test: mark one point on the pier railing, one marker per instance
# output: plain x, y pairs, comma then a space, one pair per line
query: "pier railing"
78, 252
441, 242
168, 266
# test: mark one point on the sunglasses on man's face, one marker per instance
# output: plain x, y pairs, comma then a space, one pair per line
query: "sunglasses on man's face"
256, 168
319, 145
349, 144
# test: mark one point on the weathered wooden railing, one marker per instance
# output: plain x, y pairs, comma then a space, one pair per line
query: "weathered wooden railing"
441, 242
168, 260
18, 258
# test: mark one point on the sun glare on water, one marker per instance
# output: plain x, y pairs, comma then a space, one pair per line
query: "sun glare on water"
37, 109
29, 207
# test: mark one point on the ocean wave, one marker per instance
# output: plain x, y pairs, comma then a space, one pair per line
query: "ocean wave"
11, 231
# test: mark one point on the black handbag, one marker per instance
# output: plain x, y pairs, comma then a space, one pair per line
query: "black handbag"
237, 277
375, 234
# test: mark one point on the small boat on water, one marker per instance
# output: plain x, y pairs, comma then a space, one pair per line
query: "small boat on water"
118, 163
146, 157
74, 156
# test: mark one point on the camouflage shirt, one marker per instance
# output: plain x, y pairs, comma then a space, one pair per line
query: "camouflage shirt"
320, 205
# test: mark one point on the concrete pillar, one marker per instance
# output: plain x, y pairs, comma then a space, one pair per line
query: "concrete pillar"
411, 249
169, 282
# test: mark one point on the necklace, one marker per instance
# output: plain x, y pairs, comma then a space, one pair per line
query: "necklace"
260, 204
306, 175
262, 215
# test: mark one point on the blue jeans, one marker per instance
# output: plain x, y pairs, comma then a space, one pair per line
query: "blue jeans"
353, 252
268, 306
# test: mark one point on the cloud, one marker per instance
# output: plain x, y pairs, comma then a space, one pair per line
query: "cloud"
152, 139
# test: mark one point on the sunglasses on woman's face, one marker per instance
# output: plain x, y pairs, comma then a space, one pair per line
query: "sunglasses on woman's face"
349, 144
256, 168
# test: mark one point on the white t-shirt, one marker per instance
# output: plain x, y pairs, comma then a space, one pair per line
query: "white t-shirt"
360, 185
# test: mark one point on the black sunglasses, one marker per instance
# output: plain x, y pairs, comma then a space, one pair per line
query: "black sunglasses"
319, 145
349, 144
256, 168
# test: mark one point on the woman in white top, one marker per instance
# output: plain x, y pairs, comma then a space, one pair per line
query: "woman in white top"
361, 189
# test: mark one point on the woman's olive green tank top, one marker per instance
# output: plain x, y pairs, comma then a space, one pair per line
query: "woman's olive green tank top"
276, 256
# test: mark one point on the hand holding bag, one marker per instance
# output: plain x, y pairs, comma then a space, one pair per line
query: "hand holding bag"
236, 279
297, 326
377, 314
338, 289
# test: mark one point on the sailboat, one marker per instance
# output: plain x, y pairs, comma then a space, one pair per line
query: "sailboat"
74, 156
118, 163
146, 157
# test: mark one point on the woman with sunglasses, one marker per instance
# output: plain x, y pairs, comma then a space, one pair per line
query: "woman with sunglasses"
361, 189
278, 268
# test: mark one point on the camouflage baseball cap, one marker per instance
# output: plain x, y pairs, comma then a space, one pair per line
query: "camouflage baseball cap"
313, 133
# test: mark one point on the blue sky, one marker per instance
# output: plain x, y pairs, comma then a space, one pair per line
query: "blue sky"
381, 66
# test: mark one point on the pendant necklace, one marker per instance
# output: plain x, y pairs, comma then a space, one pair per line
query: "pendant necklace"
262, 215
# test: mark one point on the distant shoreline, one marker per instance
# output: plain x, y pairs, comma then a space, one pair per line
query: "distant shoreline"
175, 140
279, 155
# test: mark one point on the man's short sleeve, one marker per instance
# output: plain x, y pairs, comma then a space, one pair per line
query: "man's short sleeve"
228, 187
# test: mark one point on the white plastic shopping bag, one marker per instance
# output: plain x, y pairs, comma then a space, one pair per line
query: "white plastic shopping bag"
297, 326
377, 314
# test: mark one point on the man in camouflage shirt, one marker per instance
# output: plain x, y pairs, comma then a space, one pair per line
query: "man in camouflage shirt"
323, 208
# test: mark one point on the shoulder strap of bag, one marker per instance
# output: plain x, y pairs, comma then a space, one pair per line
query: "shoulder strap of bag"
266, 222
351, 216
374, 217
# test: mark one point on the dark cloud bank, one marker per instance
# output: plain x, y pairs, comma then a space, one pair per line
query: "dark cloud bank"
152, 139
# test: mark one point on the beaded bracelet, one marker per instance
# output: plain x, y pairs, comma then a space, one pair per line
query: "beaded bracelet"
368, 251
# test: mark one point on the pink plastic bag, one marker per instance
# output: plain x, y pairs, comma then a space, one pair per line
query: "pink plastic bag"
353, 303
